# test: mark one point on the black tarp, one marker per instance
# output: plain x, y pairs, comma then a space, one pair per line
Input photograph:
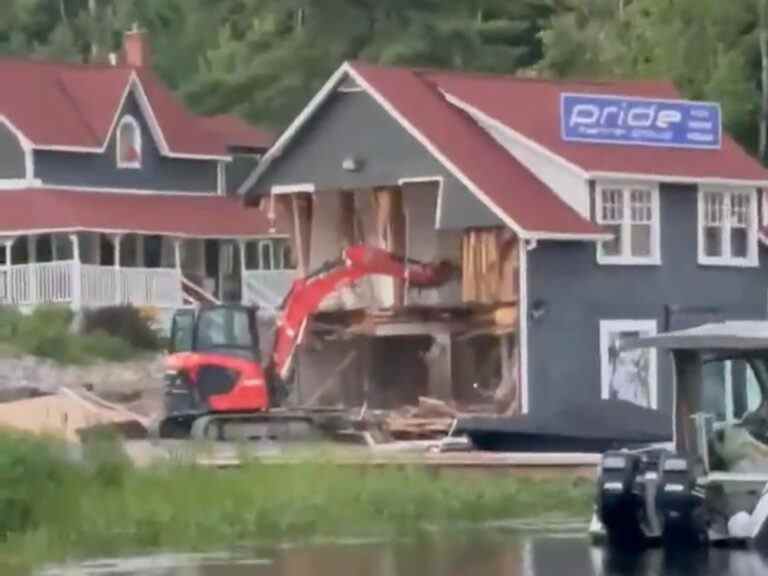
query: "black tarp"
589, 427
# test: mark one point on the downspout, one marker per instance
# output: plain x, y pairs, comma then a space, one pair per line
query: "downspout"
526, 245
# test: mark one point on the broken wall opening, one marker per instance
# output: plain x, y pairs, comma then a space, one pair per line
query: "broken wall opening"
474, 362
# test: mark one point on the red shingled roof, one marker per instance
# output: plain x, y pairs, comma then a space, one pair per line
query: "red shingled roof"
488, 169
236, 132
74, 106
190, 215
531, 107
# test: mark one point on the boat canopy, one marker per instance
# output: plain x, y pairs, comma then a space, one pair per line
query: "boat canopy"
732, 335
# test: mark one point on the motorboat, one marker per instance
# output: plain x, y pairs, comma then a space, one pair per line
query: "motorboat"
710, 485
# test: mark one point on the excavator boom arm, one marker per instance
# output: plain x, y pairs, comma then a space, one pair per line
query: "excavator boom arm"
357, 262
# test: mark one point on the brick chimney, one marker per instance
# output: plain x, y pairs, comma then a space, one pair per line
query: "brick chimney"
137, 52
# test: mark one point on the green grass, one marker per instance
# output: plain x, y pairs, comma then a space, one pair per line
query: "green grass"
54, 509
47, 333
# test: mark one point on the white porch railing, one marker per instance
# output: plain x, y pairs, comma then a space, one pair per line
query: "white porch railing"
267, 288
32, 284
104, 286
89, 286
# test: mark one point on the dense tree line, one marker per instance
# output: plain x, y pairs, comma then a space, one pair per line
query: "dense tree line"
262, 59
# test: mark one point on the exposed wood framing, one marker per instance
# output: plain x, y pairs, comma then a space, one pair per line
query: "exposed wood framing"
299, 206
390, 229
490, 263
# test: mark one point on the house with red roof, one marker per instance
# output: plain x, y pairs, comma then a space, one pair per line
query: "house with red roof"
113, 192
577, 215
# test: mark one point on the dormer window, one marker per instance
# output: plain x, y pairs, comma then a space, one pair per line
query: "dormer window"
128, 143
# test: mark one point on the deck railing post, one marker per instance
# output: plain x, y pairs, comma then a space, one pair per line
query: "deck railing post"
77, 273
33, 271
8, 248
116, 242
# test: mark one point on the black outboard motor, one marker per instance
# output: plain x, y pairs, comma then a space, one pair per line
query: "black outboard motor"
620, 499
680, 503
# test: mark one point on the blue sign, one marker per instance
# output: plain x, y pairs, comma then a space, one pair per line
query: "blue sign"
640, 121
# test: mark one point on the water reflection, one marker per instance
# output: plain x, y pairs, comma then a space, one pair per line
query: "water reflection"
480, 554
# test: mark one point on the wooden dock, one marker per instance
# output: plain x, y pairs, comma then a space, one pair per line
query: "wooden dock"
224, 455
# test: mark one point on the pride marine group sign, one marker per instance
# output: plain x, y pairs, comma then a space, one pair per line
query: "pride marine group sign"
640, 122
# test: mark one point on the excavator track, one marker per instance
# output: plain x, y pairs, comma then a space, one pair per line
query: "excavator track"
274, 426
253, 427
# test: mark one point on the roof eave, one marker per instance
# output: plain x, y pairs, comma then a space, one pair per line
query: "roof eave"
677, 179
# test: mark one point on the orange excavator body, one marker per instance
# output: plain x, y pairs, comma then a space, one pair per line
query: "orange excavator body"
214, 367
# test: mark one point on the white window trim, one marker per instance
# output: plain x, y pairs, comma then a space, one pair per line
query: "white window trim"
135, 165
624, 259
753, 254
607, 327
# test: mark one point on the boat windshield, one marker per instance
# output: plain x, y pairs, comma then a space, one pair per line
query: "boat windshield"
732, 395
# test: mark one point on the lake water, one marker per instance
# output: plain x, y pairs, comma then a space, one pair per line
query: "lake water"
486, 553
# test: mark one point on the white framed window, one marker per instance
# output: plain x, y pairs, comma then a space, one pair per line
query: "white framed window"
129, 143
631, 213
728, 227
630, 375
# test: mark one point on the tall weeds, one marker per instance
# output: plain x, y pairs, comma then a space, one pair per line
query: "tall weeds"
52, 507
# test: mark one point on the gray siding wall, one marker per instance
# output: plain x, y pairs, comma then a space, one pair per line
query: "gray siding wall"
564, 350
353, 124
100, 170
238, 170
12, 164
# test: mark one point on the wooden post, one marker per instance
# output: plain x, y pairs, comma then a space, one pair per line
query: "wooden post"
77, 273
117, 240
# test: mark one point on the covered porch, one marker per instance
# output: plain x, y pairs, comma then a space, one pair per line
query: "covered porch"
96, 249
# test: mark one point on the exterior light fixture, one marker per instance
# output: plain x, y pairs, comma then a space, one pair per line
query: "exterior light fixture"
352, 164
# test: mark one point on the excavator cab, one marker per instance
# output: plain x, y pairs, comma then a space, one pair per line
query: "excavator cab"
229, 330
213, 366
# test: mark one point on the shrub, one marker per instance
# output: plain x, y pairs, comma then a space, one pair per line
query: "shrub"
123, 322
10, 318
48, 333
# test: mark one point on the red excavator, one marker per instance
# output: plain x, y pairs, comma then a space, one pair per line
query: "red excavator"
216, 384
